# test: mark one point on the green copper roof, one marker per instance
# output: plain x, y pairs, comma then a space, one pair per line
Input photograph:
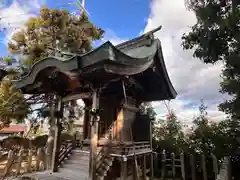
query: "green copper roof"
130, 58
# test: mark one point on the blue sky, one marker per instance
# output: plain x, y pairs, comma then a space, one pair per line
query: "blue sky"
122, 19
126, 19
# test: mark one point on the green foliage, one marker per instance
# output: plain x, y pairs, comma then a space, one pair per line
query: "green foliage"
168, 134
7, 60
215, 37
12, 103
48, 34
52, 31
205, 137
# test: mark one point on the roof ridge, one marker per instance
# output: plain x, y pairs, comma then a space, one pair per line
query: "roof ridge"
143, 38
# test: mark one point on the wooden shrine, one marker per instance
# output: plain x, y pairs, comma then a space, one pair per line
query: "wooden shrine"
113, 81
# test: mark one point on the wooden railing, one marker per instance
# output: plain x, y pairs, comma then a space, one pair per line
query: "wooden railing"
64, 152
104, 158
30, 160
130, 148
25, 161
186, 166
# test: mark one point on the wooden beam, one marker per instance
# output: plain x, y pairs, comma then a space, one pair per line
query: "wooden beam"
77, 96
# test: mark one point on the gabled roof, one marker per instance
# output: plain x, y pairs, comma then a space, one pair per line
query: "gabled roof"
140, 58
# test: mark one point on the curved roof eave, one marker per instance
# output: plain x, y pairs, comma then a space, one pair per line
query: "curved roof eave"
106, 54
128, 58
162, 65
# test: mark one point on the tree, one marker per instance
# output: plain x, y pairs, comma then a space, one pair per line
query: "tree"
13, 105
215, 37
168, 134
52, 32
209, 137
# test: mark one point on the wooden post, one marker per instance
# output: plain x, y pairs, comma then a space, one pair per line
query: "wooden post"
173, 166
29, 165
38, 159
10, 162
163, 164
136, 167
156, 161
94, 136
203, 164
229, 169
182, 166
151, 154
193, 167
57, 137
19, 161
48, 159
124, 168
144, 173
44, 159
215, 165
134, 174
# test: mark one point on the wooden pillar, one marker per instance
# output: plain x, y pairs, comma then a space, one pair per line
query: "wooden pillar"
151, 154
57, 142
134, 174
229, 168
163, 164
124, 173
94, 136
215, 165
144, 173
182, 166
193, 167
173, 166
203, 163
86, 132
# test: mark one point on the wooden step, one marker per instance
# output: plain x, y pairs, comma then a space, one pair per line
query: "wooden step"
76, 166
72, 174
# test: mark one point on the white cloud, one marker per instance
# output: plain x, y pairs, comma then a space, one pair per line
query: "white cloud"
191, 78
13, 17
112, 37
